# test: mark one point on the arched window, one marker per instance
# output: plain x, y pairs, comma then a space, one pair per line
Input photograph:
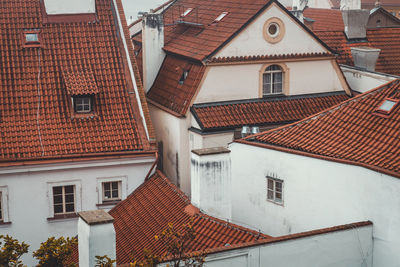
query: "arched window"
273, 80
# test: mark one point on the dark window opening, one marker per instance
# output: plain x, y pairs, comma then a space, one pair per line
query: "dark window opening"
83, 104
184, 76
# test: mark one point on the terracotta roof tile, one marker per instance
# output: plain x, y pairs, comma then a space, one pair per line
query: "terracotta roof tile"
35, 113
386, 39
351, 132
157, 202
274, 110
167, 89
325, 19
382, 2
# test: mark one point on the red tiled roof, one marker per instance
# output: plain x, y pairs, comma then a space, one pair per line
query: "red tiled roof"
386, 39
325, 19
199, 42
276, 110
168, 92
349, 133
157, 202
36, 119
382, 2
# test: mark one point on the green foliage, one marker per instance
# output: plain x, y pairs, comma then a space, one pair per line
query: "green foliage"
104, 261
55, 252
11, 251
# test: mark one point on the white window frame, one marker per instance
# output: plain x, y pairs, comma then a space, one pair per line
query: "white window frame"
274, 190
63, 201
4, 205
77, 196
272, 75
75, 100
123, 185
119, 188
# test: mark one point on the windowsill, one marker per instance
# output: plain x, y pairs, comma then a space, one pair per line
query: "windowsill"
84, 115
4, 223
276, 203
63, 217
108, 203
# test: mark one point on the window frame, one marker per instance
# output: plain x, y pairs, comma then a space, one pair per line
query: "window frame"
64, 201
5, 219
272, 74
26, 43
118, 198
82, 97
274, 191
123, 183
77, 198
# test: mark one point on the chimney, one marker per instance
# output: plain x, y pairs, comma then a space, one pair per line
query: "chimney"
365, 57
298, 9
58, 7
350, 4
153, 43
96, 236
211, 181
355, 23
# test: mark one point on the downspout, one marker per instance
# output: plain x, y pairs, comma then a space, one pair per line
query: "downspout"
152, 167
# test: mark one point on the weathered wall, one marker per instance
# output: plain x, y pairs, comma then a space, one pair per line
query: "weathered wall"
30, 194
54, 7
316, 194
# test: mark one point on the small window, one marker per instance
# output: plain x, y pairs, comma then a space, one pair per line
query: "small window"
63, 199
387, 105
184, 76
111, 191
221, 16
1, 208
273, 80
273, 29
31, 38
186, 12
82, 104
275, 190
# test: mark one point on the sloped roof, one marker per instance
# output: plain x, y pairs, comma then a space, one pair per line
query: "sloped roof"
382, 2
168, 92
36, 84
325, 19
204, 37
157, 202
351, 132
272, 110
386, 39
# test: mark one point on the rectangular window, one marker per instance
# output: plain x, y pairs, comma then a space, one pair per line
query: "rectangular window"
111, 191
64, 199
1, 208
82, 104
275, 190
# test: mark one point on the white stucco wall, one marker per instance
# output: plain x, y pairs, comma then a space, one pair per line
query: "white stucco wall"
198, 141
316, 194
251, 40
305, 77
319, 4
54, 7
363, 81
30, 194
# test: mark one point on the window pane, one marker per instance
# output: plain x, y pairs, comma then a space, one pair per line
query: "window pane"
1, 209
69, 207
31, 37
106, 186
278, 197
115, 185
69, 189
278, 186
107, 194
57, 199
270, 195
57, 190
270, 184
278, 77
115, 193
69, 198
58, 208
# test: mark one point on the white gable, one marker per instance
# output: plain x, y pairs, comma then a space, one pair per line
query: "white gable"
251, 41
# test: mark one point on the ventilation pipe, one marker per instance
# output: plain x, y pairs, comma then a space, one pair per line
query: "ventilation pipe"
153, 43
62, 7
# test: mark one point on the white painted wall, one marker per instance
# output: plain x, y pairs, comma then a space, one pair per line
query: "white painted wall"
305, 77
319, 4
30, 195
54, 7
251, 40
316, 194
198, 141
363, 81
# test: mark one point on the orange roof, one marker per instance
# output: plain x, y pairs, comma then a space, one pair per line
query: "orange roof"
325, 19
271, 110
169, 92
351, 132
199, 36
157, 202
36, 85
386, 39
382, 2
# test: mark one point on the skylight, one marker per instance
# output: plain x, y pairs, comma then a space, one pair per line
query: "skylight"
388, 105
32, 37
185, 73
187, 11
221, 16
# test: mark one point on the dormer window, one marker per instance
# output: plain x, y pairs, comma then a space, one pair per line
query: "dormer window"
82, 104
387, 106
31, 38
184, 76
187, 11
220, 17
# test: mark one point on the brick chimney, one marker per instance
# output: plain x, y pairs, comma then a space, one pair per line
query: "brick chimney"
211, 181
68, 7
96, 236
153, 43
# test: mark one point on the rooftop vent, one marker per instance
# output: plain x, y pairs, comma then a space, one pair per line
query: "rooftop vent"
221, 16
187, 11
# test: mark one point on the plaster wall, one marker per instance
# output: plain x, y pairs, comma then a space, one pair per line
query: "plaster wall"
316, 194
251, 40
54, 7
198, 141
319, 4
236, 82
30, 195
363, 81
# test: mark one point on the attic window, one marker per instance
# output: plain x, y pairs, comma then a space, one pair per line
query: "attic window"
31, 38
221, 16
187, 11
183, 78
387, 106
82, 104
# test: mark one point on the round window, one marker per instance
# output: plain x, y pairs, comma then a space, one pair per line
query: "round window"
273, 29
